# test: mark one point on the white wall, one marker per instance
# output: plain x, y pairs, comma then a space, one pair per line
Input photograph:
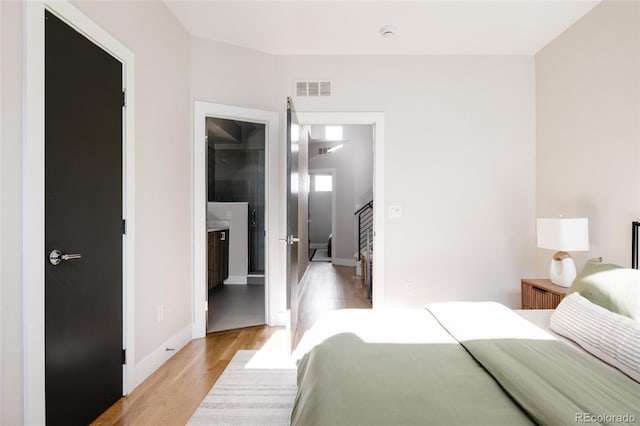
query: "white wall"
459, 153
353, 166
225, 74
459, 159
163, 164
588, 126
11, 322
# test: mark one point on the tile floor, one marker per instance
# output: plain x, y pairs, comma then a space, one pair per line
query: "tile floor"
235, 306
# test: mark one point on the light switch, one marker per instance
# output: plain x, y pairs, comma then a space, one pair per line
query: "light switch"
395, 212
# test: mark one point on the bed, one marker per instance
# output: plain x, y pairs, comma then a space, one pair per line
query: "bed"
468, 363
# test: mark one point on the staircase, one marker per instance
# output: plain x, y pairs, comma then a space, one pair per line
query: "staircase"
365, 242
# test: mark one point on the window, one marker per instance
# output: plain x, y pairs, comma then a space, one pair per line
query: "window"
323, 183
333, 133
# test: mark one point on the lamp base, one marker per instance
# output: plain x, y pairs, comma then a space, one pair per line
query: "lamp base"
562, 271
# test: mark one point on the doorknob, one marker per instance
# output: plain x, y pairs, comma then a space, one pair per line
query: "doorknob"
56, 256
290, 239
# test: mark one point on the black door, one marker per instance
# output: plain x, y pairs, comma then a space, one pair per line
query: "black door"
83, 208
293, 135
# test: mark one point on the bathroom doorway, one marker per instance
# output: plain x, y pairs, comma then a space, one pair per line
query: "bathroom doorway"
235, 223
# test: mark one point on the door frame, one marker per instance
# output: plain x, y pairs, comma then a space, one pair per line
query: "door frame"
377, 120
332, 173
269, 119
33, 191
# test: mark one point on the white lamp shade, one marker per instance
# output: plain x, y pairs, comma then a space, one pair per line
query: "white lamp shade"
563, 234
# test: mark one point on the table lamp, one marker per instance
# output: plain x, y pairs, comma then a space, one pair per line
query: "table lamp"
563, 235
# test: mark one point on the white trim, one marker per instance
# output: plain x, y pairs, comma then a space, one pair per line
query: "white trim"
161, 354
334, 216
1, 198
377, 120
33, 214
34, 189
274, 290
343, 262
236, 280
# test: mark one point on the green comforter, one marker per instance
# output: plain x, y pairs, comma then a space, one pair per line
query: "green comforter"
430, 378
552, 382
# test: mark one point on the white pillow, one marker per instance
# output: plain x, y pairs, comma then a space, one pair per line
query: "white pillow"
613, 338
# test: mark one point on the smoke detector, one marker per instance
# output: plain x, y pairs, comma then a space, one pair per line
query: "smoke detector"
388, 31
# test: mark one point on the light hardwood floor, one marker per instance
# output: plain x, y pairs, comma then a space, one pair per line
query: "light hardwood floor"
172, 394
329, 288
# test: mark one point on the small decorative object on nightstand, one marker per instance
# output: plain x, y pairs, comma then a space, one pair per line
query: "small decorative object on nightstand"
541, 294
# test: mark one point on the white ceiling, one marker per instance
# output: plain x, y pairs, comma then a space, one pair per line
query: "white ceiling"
427, 27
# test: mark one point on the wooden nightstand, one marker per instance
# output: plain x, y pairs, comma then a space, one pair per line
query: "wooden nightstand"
541, 294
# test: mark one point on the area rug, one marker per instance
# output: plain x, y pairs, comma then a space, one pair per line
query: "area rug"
256, 388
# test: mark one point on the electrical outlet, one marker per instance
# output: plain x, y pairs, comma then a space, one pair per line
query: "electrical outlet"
408, 288
395, 212
160, 313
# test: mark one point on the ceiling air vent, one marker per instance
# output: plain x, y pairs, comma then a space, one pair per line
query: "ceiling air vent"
301, 88
313, 88
325, 88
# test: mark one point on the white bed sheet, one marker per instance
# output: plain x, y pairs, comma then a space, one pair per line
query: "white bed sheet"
542, 318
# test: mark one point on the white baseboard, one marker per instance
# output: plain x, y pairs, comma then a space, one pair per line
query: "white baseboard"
343, 262
318, 245
149, 364
281, 320
236, 279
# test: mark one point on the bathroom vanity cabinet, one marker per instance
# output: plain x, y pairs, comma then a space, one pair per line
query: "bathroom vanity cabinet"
218, 257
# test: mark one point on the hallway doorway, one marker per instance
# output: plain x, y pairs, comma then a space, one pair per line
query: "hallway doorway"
341, 184
341, 171
332, 134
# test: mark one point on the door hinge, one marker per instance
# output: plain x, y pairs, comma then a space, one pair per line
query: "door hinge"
124, 356
124, 98
124, 226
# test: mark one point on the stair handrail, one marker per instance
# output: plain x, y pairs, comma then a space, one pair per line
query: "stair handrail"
361, 209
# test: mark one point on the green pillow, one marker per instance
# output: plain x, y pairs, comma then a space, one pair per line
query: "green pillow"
610, 286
